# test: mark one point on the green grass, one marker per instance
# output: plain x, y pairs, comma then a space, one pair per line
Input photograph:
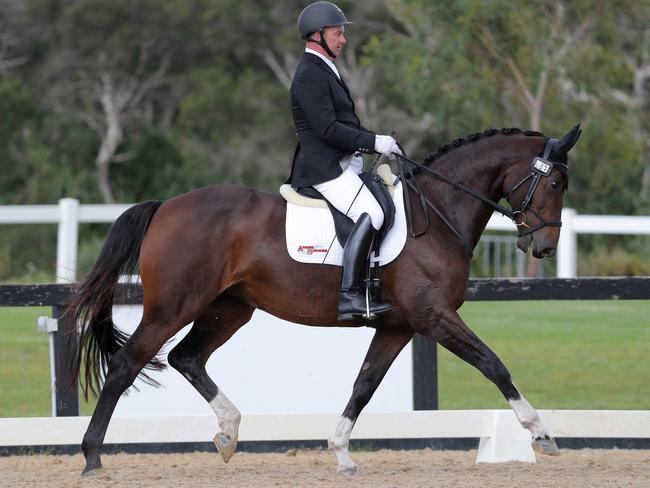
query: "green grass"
579, 355
24, 364
25, 389
567, 355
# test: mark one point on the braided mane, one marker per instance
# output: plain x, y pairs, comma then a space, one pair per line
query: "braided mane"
445, 148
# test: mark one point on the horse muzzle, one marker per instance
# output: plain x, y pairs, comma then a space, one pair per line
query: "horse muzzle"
524, 242
542, 247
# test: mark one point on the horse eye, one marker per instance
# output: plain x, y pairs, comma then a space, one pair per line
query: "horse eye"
555, 184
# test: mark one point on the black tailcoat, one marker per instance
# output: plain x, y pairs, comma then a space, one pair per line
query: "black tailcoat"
325, 122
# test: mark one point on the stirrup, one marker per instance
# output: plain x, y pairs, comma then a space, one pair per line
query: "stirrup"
368, 315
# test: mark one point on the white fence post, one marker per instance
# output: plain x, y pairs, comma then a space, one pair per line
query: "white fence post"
66, 269
66, 252
567, 249
508, 442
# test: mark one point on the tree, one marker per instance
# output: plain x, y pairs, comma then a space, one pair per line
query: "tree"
530, 45
425, 66
13, 35
633, 44
120, 76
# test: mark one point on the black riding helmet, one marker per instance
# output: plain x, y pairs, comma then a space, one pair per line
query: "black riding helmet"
318, 15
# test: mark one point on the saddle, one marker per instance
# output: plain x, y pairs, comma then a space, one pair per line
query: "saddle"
381, 187
379, 184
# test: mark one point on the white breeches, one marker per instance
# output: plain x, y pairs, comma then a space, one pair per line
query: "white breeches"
341, 192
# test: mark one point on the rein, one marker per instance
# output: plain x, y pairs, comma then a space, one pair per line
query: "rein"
540, 167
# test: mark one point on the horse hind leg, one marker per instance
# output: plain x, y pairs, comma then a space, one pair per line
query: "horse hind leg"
384, 348
211, 330
460, 340
123, 368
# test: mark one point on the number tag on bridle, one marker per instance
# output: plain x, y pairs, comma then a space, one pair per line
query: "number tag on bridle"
542, 166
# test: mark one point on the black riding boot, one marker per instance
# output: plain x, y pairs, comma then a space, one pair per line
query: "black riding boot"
352, 297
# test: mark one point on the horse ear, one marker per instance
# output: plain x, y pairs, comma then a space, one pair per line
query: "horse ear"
564, 145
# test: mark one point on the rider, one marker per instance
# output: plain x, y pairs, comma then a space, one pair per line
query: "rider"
330, 140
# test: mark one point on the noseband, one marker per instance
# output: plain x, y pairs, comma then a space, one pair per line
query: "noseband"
541, 167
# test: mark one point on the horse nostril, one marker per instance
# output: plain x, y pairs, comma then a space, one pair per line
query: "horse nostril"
549, 252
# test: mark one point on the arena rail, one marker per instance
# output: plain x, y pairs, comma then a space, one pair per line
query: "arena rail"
501, 437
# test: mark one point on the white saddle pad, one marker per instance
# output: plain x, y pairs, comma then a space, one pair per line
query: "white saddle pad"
310, 234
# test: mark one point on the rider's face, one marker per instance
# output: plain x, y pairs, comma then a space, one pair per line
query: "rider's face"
335, 38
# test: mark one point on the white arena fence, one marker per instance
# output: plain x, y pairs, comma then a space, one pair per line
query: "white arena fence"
69, 213
502, 439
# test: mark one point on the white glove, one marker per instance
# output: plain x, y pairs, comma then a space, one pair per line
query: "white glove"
386, 145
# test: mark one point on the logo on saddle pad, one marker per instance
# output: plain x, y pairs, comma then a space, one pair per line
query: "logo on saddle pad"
309, 250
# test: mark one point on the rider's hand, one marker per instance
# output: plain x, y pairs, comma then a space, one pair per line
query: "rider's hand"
386, 145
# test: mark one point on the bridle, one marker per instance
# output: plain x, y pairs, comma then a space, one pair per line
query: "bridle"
541, 167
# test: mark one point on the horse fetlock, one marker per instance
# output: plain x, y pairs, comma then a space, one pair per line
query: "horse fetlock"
235, 417
338, 443
335, 443
90, 451
229, 425
536, 428
345, 463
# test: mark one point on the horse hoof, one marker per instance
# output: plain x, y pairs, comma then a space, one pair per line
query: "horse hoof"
225, 445
92, 472
348, 470
546, 445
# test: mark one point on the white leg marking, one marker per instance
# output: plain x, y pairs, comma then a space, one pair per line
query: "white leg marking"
338, 442
529, 418
228, 418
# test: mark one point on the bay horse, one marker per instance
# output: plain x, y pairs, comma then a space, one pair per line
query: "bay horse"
214, 255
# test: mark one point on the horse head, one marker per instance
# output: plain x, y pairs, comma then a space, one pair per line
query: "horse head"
536, 192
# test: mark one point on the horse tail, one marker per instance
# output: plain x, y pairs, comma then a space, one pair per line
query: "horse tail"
92, 303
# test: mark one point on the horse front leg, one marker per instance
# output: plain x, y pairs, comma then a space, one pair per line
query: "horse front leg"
452, 333
384, 348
